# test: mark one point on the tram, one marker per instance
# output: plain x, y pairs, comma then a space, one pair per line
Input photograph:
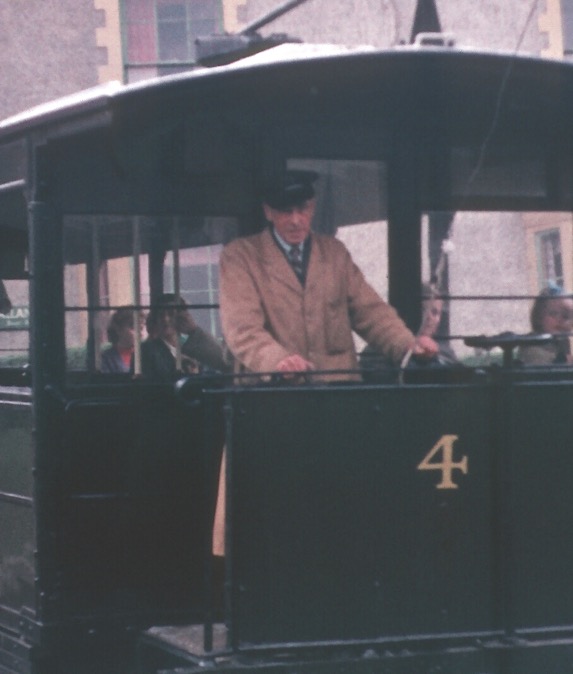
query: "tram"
415, 519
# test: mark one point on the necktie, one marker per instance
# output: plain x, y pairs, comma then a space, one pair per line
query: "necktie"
295, 259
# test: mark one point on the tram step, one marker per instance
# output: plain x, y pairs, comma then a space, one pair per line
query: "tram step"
179, 646
549, 656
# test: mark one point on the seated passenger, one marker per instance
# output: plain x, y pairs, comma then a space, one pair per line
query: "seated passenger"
168, 322
432, 307
551, 313
120, 332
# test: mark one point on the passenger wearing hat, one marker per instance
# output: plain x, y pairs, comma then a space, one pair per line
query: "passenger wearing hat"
287, 314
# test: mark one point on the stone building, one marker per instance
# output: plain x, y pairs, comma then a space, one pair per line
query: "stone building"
49, 49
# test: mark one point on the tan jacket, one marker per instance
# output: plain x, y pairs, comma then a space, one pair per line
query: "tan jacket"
267, 315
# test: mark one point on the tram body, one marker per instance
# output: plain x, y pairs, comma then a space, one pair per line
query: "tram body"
417, 520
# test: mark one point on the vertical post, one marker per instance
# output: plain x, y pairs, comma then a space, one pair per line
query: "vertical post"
47, 317
231, 591
438, 230
157, 250
502, 446
48, 361
94, 300
176, 283
404, 231
136, 280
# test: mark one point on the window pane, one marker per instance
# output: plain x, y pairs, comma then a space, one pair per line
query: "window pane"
480, 271
170, 12
15, 325
347, 191
550, 259
172, 32
205, 18
199, 284
99, 278
111, 264
164, 31
489, 276
139, 31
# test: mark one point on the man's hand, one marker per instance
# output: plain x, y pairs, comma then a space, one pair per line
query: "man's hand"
184, 322
294, 363
425, 348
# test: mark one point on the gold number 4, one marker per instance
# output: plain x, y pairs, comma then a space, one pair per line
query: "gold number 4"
446, 445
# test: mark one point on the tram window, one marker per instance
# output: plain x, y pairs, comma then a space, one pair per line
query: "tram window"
198, 283
175, 24
112, 263
98, 276
491, 266
171, 33
550, 257
478, 173
348, 192
14, 326
487, 266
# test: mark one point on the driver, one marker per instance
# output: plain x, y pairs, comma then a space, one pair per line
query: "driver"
290, 298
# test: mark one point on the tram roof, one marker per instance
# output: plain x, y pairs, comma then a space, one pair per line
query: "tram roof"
459, 74
195, 143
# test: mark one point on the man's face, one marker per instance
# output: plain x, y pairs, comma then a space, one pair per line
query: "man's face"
292, 225
167, 323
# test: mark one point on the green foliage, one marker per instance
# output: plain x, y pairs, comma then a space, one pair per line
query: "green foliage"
15, 360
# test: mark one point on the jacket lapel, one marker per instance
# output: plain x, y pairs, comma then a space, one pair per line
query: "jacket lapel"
315, 265
276, 264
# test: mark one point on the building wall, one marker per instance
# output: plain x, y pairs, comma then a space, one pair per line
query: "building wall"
55, 47
48, 49
550, 23
108, 40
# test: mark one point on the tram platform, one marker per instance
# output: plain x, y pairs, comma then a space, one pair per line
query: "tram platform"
181, 650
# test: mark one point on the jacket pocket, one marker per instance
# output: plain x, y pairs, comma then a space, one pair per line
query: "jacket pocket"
338, 333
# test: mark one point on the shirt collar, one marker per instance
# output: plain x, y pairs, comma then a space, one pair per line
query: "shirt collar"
284, 245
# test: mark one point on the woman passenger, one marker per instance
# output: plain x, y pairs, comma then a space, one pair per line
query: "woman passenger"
432, 308
120, 333
551, 313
